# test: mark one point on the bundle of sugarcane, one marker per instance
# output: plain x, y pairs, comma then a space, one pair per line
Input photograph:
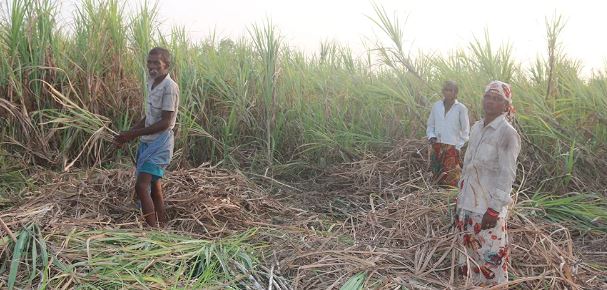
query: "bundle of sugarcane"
73, 115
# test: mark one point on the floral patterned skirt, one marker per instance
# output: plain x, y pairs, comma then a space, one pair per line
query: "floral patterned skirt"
445, 164
483, 254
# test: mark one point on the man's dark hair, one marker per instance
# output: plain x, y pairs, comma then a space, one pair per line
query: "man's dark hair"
165, 55
451, 83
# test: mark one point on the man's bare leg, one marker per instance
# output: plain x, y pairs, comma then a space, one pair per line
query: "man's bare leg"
158, 200
142, 187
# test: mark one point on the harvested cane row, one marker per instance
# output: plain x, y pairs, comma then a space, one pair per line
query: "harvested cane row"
382, 218
377, 221
90, 232
410, 242
200, 200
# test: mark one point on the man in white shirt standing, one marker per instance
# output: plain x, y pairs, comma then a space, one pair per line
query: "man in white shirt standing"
447, 131
488, 173
155, 132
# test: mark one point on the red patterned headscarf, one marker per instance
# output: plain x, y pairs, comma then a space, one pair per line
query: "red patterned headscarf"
503, 89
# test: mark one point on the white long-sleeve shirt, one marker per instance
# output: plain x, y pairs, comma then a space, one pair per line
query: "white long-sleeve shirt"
451, 128
489, 167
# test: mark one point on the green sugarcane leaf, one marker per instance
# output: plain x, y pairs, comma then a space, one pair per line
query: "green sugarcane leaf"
17, 253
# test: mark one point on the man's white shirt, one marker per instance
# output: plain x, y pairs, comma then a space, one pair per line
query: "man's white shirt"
452, 128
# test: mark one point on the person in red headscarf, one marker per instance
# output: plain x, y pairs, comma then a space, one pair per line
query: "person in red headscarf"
487, 176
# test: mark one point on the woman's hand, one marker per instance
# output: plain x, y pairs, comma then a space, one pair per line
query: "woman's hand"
489, 219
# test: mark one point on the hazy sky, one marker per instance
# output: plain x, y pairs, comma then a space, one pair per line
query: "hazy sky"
429, 25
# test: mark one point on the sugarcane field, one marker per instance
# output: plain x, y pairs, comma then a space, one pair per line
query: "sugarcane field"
136, 156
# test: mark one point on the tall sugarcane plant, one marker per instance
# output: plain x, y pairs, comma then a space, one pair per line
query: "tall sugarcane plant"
257, 103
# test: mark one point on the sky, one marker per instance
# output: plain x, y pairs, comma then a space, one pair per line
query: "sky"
431, 26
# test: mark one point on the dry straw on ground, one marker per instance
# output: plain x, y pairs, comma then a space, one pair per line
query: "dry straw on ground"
378, 216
